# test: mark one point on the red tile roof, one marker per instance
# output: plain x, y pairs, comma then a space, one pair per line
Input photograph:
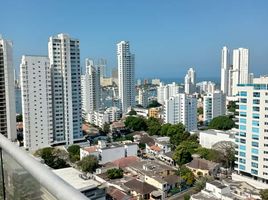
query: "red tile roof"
90, 149
155, 148
125, 162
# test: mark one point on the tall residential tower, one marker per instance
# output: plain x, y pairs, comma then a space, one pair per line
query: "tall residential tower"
225, 67
64, 55
7, 93
91, 90
126, 75
36, 102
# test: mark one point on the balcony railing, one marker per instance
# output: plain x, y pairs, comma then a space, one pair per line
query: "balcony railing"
24, 178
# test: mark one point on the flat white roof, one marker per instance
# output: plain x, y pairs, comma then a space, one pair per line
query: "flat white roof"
71, 176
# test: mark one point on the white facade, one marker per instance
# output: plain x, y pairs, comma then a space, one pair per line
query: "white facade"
143, 97
126, 75
214, 105
117, 152
190, 81
225, 67
90, 87
240, 70
64, 55
252, 137
7, 91
156, 81
181, 108
208, 138
36, 102
206, 87
99, 118
164, 92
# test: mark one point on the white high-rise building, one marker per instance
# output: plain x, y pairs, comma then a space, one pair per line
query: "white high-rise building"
239, 74
126, 75
143, 97
7, 93
214, 105
225, 67
36, 102
164, 92
181, 108
64, 55
190, 81
91, 90
206, 86
252, 136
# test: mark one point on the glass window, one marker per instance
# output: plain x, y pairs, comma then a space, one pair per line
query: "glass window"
242, 154
243, 114
243, 93
243, 120
242, 107
242, 167
254, 171
255, 108
255, 151
255, 137
256, 158
242, 127
256, 94
255, 123
253, 164
242, 147
243, 100
256, 116
256, 101
255, 144
255, 130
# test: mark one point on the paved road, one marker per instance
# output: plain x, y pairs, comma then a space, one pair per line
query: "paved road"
180, 196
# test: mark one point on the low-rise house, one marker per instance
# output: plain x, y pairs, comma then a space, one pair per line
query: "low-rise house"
167, 158
116, 194
208, 138
159, 175
109, 153
161, 146
202, 167
139, 189
214, 190
89, 187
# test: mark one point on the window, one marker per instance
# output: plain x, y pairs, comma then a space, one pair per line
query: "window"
243, 100
242, 107
253, 171
243, 93
242, 167
242, 154
255, 130
256, 158
256, 94
255, 123
256, 101
242, 120
243, 114
242, 127
255, 151
255, 137
253, 164
255, 108
255, 116
242, 147
255, 144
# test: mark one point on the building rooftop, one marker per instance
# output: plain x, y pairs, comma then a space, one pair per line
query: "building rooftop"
230, 133
118, 194
198, 163
91, 149
125, 162
218, 184
72, 176
172, 179
139, 186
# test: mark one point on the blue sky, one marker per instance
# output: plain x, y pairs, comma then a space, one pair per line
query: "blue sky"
167, 36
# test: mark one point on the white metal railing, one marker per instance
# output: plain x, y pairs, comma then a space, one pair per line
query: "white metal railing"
47, 179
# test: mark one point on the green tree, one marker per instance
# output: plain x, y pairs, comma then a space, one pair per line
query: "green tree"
115, 173
182, 155
154, 104
154, 126
164, 129
209, 154
51, 158
221, 123
186, 174
190, 145
231, 106
200, 183
132, 112
186, 197
19, 118
88, 164
106, 128
74, 152
136, 123
200, 111
264, 194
